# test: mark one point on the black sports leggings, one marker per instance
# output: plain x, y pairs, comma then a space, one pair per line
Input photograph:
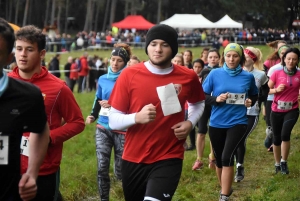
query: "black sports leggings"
268, 110
240, 152
225, 141
283, 124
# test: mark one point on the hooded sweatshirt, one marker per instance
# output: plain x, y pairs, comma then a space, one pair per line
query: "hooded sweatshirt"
63, 115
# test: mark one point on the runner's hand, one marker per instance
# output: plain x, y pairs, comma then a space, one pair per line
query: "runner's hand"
89, 119
222, 97
27, 187
248, 102
182, 129
104, 103
146, 115
280, 88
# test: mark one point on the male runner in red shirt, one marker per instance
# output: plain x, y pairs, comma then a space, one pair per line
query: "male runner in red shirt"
149, 99
63, 113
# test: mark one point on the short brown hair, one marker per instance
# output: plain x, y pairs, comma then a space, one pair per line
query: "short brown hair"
33, 35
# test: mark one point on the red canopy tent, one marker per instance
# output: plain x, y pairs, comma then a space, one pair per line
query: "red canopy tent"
133, 21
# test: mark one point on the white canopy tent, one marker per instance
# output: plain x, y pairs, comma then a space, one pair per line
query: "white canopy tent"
188, 21
227, 22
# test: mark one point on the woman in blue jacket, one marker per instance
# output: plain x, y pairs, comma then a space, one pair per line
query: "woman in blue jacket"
107, 139
229, 90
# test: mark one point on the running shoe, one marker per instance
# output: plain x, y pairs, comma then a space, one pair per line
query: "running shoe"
269, 132
284, 168
277, 169
240, 174
223, 197
212, 163
268, 142
197, 165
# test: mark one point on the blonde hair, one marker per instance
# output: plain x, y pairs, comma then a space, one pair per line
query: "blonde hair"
258, 64
180, 56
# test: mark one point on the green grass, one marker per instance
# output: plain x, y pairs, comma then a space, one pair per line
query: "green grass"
79, 164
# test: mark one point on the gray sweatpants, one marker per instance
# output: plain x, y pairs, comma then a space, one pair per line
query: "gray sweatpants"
106, 140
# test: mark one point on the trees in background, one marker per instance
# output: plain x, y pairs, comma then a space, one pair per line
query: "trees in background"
99, 14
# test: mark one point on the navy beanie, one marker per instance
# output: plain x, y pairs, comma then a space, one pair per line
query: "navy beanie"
165, 33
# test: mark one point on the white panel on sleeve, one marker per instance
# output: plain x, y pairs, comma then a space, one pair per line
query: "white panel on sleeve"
195, 111
119, 120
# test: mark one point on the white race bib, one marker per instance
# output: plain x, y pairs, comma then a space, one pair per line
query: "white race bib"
4, 150
237, 99
105, 111
284, 105
169, 99
24, 146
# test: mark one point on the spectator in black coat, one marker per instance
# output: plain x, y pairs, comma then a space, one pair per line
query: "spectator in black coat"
67, 71
54, 66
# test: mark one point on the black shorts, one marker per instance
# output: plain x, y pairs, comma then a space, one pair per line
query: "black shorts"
158, 180
202, 123
48, 187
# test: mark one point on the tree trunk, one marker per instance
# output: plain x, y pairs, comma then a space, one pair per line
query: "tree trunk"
6, 10
47, 13
53, 12
112, 12
134, 6
17, 11
91, 15
97, 15
25, 13
29, 18
158, 11
67, 14
10, 11
106, 16
58, 17
86, 24
126, 8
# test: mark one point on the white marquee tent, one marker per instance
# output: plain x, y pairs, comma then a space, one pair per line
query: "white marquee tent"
227, 22
188, 21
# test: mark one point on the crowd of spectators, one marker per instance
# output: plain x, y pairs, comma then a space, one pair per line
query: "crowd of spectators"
187, 38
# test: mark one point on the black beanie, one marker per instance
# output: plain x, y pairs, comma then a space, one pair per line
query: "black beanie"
165, 33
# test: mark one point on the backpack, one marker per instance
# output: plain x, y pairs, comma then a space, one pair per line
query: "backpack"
78, 62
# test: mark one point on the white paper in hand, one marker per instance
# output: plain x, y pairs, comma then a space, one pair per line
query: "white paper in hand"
169, 99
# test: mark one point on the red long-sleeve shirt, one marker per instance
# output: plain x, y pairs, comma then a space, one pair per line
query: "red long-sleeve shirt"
84, 71
59, 104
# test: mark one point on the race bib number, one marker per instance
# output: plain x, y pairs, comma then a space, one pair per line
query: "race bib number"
104, 111
237, 99
24, 146
284, 105
168, 96
4, 150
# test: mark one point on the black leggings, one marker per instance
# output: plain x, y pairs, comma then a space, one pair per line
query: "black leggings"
283, 124
268, 110
240, 152
225, 142
192, 135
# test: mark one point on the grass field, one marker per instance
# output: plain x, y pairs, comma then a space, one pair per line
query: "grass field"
79, 169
